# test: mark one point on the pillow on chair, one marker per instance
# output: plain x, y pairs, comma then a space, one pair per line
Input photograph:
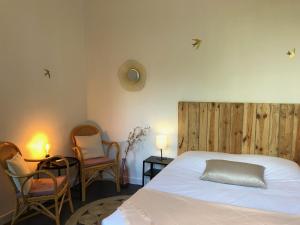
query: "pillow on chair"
91, 146
19, 167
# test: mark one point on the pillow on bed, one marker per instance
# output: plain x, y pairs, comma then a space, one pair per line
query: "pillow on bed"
276, 169
236, 173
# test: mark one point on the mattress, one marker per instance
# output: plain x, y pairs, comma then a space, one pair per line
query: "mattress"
181, 177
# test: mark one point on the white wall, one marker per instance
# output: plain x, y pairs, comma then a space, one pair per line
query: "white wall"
38, 34
242, 58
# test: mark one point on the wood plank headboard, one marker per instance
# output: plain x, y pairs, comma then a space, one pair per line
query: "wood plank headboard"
249, 128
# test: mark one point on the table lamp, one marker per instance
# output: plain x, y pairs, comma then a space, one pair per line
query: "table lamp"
47, 148
161, 143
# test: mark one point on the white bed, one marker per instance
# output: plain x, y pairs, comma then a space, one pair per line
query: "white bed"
181, 177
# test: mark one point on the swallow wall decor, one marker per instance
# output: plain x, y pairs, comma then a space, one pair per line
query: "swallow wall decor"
197, 43
291, 53
47, 73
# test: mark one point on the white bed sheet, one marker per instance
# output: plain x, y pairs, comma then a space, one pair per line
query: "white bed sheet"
182, 177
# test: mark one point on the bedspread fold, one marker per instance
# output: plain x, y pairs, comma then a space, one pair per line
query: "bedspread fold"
151, 207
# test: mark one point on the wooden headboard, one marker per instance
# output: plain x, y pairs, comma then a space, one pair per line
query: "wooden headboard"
250, 128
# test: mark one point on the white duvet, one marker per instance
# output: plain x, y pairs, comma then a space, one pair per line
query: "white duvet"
182, 177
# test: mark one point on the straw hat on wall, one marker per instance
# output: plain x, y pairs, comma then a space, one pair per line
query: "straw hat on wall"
132, 75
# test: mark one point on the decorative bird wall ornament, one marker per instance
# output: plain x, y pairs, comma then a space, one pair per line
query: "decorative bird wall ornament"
47, 73
197, 43
291, 53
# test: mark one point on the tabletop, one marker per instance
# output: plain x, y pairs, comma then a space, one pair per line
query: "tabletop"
59, 163
157, 160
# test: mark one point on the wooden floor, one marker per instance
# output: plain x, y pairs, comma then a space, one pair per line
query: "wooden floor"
97, 190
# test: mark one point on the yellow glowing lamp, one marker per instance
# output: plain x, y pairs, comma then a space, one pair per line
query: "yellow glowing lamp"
47, 148
39, 146
161, 143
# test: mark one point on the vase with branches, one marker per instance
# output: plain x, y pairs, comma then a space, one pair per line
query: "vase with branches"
135, 136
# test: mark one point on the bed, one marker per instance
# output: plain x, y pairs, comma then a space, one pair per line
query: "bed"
239, 132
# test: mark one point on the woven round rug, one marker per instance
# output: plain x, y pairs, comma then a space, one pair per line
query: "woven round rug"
94, 212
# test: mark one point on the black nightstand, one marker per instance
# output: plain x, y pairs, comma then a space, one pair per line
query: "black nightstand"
152, 160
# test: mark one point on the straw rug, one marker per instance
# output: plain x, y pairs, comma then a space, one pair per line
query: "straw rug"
94, 212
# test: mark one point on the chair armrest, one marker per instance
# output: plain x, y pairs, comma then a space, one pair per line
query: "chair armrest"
78, 154
34, 160
117, 148
31, 175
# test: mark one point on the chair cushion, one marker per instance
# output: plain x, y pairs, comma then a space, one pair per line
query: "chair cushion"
19, 167
45, 186
91, 146
97, 161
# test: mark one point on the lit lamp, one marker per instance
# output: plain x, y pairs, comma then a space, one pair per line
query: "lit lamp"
47, 148
39, 146
161, 143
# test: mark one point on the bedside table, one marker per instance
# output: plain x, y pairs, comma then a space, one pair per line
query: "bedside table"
154, 160
59, 165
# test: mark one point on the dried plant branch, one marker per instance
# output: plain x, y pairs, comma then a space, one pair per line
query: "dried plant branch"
135, 137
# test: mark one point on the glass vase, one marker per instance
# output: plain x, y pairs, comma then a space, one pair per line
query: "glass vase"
124, 179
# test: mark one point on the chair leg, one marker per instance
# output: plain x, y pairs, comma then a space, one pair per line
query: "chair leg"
101, 175
57, 217
70, 200
15, 214
83, 191
117, 177
13, 220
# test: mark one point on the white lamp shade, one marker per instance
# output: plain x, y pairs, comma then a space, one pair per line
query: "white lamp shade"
161, 141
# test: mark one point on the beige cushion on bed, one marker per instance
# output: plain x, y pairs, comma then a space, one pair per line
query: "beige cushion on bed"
236, 173
19, 167
91, 146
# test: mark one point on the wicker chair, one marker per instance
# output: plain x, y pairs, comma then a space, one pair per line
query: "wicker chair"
90, 168
48, 188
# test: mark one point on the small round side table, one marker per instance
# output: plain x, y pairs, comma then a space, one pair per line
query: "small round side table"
59, 164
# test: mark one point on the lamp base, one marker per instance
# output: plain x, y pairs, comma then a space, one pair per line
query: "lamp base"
161, 157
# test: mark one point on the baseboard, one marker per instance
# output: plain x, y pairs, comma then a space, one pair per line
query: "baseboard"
135, 180
132, 180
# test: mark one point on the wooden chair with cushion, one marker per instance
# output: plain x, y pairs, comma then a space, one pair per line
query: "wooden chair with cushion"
33, 192
92, 157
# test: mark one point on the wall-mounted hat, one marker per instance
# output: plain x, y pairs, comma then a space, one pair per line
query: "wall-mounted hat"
132, 75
